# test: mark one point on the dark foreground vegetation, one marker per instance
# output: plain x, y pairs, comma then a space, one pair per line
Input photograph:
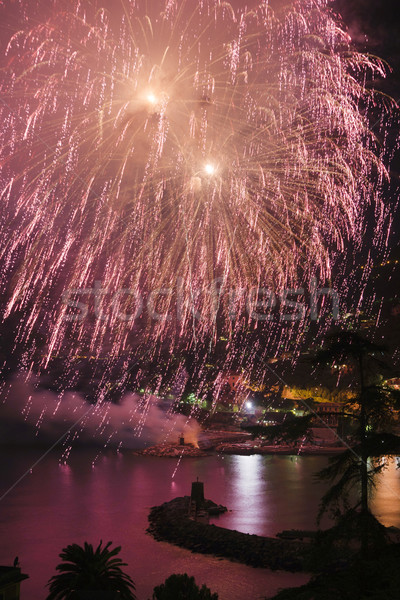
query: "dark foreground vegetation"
86, 573
374, 578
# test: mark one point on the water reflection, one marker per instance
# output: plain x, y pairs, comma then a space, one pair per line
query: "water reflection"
386, 498
266, 494
249, 489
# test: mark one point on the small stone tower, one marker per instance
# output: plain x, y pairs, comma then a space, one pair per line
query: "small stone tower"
197, 495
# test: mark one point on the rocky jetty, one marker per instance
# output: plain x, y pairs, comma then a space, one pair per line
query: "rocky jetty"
173, 451
170, 522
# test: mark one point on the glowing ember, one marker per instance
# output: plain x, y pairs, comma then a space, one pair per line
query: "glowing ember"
210, 169
151, 99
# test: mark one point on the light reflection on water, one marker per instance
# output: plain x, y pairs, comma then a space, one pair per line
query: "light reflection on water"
248, 488
57, 505
386, 498
266, 494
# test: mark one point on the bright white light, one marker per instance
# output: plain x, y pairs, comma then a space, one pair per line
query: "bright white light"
151, 99
210, 169
249, 405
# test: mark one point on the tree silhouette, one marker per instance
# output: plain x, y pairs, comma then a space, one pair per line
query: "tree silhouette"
372, 410
85, 569
182, 587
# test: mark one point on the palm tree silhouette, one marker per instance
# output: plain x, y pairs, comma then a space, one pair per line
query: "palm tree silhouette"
85, 569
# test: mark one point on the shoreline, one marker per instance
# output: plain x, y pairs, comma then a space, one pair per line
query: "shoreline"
281, 450
234, 443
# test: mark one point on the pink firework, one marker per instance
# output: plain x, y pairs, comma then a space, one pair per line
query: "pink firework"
176, 153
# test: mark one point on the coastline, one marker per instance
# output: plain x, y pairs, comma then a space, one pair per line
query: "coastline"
230, 442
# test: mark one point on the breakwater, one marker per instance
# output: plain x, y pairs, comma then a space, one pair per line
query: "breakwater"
170, 522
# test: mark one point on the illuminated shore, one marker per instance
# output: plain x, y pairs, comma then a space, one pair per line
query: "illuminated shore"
240, 443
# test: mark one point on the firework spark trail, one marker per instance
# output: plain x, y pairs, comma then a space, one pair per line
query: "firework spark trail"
196, 142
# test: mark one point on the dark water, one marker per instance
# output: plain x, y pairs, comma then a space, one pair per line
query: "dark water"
56, 505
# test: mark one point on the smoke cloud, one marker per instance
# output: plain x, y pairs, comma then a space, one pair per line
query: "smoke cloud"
29, 414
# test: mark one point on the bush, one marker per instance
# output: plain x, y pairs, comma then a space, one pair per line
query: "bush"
182, 587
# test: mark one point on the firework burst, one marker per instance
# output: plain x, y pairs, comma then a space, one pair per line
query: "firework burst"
159, 151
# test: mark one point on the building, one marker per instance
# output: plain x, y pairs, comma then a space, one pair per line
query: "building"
10, 580
329, 412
